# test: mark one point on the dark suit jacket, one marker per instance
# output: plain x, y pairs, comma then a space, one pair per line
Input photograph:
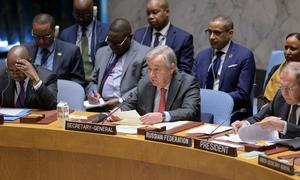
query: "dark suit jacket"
70, 35
133, 70
43, 98
67, 62
183, 100
279, 108
180, 41
237, 75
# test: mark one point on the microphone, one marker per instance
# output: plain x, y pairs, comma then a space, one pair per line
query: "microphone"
103, 117
243, 110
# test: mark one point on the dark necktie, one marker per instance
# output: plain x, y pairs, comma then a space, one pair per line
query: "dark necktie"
162, 100
45, 55
108, 70
85, 52
213, 71
293, 116
156, 40
21, 98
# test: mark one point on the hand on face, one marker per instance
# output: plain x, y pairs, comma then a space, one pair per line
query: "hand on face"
27, 68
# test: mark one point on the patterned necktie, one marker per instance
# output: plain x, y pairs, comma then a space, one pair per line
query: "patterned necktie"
162, 100
85, 52
156, 40
293, 116
21, 98
45, 55
213, 71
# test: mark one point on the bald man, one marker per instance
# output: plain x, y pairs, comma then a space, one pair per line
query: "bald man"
88, 33
160, 31
23, 85
118, 67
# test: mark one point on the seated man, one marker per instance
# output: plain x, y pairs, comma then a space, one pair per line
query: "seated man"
226, 66
282, 114
88, 33
118, 67
23, 86
62, 58
291, 53
160, 31
166, 94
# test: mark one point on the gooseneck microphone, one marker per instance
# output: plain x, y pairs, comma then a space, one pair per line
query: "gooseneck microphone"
243, 110
103, 117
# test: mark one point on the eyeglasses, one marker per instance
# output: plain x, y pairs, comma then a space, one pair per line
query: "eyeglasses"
216, 33
45, 37
115, 44
286, 88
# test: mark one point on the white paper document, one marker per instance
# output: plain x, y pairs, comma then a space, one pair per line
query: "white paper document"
128, 118
170, 125
227, 144
207, 129
254, 133
128, 129
87, 105
231, 138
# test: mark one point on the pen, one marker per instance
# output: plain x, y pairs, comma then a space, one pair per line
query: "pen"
95, 95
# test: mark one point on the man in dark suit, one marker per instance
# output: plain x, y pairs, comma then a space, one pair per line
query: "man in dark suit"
63, 58
88, 33
24, 86
166, 94
161, 32
282, 114
118, 67
226, 66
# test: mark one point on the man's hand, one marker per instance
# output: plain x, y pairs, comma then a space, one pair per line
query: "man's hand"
236, 125
152, 118
93, 97
110, 104
272, 123
26, 67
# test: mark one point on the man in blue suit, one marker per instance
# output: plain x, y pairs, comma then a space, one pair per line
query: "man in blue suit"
161, 32
226, 66
88, 33
62, 58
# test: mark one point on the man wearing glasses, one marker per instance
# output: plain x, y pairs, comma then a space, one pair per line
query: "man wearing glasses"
226, 66
63, 58
88, 33
25, 86
118, 66
282, 114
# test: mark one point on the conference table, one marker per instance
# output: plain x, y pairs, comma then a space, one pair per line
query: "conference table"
47, 152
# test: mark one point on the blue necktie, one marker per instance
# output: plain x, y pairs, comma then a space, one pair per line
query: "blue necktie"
45, 55
21, 98
213, 71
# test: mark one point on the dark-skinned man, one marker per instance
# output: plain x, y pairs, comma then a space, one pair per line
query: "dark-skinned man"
23, 85
118, 66
88, 33
63, 58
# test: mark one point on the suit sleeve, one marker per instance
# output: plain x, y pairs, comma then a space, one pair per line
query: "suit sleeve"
243, 89
186, 59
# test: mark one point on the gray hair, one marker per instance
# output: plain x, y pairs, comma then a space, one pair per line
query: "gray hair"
166, 52
294, 68
226, 19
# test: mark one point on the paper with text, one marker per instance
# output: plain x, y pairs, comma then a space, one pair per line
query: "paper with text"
87, 105
128, 118
208, 128
254, 133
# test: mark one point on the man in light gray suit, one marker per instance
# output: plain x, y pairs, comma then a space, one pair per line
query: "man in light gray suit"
118, 67
166, 94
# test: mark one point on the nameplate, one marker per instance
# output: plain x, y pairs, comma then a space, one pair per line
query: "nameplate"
88, 127
214, 147
276, 165
170, 139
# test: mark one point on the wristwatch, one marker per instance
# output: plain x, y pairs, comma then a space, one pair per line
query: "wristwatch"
163, 116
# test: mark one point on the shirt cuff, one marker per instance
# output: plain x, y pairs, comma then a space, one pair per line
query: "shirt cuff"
284, 128
167, 116
38, 85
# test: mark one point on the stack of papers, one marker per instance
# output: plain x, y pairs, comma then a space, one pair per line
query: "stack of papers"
11, 114
208, 129
87, 105
131, 118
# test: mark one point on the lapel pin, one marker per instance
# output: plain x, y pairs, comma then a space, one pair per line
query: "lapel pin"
59, 54
230, 56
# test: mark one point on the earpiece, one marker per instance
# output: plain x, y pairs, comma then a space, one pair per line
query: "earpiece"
56, 31
95, 11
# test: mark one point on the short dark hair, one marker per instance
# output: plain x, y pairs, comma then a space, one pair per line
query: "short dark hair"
228, 22
294, 34
44, 19
121, 25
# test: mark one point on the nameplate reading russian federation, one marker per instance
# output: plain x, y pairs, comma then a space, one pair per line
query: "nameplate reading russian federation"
89, 127
170, 139
273, 164
214, 147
